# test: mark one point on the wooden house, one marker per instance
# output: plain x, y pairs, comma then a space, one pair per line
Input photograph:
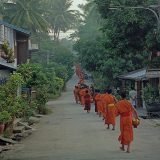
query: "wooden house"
140, 78
18, 40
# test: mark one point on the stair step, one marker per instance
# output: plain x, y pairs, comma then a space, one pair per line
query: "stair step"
38, 115
19, 129
16, 121
33, 120
25, 124
20, 136
7, 140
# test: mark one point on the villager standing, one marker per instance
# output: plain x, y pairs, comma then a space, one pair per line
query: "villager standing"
126, 112
133, 97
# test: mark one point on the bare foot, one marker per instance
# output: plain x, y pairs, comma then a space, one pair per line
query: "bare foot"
122, 149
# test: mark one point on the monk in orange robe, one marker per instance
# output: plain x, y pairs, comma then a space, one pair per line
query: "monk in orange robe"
81, 81
82, 93
98, 101
78, 70
76, 94
110, 117
87, 101
126, 112
103, 110
101, 105
95, 100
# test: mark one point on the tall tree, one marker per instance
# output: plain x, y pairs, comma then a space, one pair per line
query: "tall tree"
2, 2
124, 41
61, 17
27, 14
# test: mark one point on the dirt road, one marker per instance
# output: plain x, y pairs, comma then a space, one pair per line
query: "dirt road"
71, 134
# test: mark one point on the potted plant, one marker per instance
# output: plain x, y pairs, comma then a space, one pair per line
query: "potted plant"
4, 118
8, 53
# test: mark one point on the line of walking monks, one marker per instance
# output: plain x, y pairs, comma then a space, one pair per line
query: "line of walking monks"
108, 107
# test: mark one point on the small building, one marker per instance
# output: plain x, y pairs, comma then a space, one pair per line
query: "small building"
18, 40
140, 78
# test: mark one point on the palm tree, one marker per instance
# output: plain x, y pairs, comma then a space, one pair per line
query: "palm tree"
27, 14
61, 17
2, 8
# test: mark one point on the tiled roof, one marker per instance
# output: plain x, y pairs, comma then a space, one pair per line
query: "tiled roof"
15, 27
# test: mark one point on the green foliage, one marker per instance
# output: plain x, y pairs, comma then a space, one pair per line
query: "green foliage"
150, 95
59, 58
4, 117
40, 16
8, 94
32, 74
121, 42
41, 99
8, 52
60, 16
26, 14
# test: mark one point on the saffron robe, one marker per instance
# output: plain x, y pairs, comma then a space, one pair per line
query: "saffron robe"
125, 111
110, 110
98, 102
87, 102
103, 110
76, 95
95, 102
82, 93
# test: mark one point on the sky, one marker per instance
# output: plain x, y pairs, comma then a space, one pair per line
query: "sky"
75, 7
77, 2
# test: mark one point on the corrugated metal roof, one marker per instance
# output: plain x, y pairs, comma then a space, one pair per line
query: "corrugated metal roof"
135, 75
141, 74
15, 27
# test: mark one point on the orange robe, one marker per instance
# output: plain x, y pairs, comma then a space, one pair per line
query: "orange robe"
97, 99
103, 110
110, 110
82, 93
76, 95
81, 81
125, 110
101, 104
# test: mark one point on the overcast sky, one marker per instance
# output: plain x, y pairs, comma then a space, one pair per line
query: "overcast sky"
75, 7
77, 2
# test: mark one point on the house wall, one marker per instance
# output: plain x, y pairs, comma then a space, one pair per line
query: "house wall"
1, 34
22, 48
7, 34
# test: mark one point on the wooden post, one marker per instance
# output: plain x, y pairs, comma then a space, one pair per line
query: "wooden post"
123, 85
159, 86
139, 94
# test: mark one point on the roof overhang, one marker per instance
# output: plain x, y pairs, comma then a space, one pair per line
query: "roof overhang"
134, 75
18, 29
141, 74
7, 66
152, 73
